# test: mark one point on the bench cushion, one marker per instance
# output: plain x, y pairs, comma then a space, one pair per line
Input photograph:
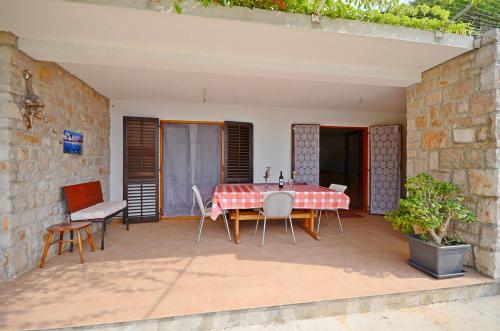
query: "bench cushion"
100, 210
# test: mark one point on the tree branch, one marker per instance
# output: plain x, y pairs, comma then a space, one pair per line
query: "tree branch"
434, 237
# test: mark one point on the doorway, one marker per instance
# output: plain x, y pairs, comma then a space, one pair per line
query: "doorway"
344, 160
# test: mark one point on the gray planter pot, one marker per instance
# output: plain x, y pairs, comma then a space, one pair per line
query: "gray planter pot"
438, 261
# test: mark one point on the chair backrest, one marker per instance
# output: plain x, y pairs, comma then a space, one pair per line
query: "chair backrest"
278, 204
338, 188
197, 195
81, 196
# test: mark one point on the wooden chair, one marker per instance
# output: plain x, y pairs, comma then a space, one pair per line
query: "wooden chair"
61, 228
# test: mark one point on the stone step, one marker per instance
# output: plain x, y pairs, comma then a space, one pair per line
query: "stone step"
309, 310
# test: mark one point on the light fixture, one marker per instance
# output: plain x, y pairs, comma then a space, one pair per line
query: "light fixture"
316, 18
31, 106
204, 97
360, 102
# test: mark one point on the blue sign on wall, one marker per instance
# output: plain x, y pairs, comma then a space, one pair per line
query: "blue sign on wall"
73, 142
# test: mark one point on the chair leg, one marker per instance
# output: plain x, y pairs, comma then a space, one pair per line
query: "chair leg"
71, 241
291, 227
126, 218
80, 245
257, 224
227, 227
46, 249
90, 241
340, 223
319, 221
61, 237
286, 225
264, 231
103, 230
201, 228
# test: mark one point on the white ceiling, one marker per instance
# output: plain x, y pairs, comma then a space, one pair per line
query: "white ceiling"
140, 54
150, 84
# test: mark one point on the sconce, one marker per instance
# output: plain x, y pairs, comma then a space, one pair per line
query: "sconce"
31, 106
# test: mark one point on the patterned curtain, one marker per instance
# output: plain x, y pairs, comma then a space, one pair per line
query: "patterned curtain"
385, 173
306, 153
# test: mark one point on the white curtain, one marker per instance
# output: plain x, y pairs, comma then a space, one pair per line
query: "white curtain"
191, 156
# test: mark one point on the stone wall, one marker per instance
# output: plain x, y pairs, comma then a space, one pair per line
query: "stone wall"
453, 132
32, 164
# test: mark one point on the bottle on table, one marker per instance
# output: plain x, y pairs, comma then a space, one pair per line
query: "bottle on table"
281, 181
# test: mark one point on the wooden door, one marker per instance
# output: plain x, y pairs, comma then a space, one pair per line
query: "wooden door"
141, 168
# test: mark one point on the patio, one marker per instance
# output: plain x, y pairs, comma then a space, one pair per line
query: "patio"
157, 270
241, 91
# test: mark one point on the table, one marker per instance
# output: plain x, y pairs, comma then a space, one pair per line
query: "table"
307, 199
61, 228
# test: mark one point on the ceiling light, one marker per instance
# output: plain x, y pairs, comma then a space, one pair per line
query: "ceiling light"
204, 97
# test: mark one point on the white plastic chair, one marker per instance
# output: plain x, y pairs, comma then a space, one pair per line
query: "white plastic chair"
337, 188
277, 205
206, 212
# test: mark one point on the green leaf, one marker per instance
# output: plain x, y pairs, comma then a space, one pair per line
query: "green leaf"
429, 207
420, 14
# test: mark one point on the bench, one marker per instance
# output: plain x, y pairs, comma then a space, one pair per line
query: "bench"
85, 203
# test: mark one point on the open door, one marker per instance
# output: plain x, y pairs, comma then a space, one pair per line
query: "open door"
385, 165
354, 168
141, 168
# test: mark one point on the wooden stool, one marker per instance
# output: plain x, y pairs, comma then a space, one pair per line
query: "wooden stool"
71, 226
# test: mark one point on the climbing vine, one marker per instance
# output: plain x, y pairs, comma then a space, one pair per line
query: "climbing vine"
420, 16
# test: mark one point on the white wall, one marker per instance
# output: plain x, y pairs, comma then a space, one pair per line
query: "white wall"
272, 128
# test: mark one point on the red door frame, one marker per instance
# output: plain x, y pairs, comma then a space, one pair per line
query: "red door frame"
364, 161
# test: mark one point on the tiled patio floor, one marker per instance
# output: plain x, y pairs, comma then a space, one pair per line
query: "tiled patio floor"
157, 270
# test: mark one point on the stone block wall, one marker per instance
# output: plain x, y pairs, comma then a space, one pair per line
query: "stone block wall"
33, 167
453, 132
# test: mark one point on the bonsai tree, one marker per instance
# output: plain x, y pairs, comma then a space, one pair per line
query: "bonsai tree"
429, 208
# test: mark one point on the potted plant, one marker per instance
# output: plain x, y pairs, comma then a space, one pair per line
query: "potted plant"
425, 215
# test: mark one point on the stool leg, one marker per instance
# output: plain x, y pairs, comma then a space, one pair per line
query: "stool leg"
46, 249
71, 242
80, 245
89, 238
61, 237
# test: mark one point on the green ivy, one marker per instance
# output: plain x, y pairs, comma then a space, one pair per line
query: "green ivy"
420, 16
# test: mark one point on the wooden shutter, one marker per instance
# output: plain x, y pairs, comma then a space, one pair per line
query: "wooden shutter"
141, 168
238, 152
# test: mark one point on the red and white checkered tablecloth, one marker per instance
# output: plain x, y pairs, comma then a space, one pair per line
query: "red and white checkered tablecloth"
249, 196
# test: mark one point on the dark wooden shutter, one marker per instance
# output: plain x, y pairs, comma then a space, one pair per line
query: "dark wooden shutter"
238, 152
141, 168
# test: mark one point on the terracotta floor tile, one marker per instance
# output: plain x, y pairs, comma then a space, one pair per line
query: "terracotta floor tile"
158, 270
